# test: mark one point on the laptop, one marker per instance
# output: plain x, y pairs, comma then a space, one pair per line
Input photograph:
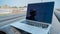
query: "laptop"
39, 14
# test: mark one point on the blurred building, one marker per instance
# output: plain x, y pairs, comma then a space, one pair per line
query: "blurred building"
5, 9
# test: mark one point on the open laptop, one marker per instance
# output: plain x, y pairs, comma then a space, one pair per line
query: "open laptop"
39, 14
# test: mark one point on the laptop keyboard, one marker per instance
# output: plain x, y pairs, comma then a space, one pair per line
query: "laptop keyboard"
35, 24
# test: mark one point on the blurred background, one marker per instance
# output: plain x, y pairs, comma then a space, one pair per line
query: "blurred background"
14, 10
20, 6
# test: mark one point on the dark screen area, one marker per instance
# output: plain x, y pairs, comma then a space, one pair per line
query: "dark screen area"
41, 12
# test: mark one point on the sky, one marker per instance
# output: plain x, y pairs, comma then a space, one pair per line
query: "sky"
25, 2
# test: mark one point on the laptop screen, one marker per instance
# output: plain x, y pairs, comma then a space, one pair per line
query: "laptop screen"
41, 12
